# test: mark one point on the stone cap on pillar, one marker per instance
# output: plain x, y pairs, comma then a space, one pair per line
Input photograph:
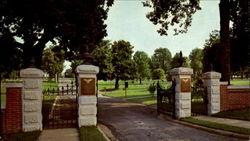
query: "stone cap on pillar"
31, 73
89, 69
181, 71
211, 75
14, 84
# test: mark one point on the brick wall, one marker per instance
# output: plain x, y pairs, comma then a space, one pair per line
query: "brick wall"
12, 116
2, 120
233, 97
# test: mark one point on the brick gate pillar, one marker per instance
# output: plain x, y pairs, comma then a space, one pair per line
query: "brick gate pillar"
13, 112
182, 77
32, 99
87, 91
212, 85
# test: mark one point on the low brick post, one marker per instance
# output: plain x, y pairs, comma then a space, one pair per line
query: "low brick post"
212, 86
87, 100
32, 99
182, 77
13, 112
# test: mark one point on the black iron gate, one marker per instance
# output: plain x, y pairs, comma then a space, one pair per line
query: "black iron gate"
60, 107
199, 98
166, 100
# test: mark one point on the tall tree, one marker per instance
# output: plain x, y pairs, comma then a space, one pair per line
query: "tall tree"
195, 58
102, 57
224, 39
52, 61
161, 59
142, 64
122, 61
75, 25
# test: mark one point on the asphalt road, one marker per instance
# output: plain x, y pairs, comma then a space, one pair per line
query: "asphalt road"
135, 122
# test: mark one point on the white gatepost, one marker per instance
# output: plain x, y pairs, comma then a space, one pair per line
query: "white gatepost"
87, 100
182, 78
212, 86
32, 99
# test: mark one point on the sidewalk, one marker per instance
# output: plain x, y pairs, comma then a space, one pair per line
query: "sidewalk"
233, 122
66, 134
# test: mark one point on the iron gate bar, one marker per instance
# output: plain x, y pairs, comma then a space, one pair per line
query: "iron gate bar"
63, 112
166, 100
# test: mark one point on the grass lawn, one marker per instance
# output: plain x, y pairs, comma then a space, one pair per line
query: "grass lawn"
240, 82
135, 92
91, 133
218, 125
28, 136
3, 94
50, 85
242, 114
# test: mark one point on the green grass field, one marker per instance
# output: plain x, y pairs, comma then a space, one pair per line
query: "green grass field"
90, 133
49, 85
218, 125
240, 82
135, 92
46, 85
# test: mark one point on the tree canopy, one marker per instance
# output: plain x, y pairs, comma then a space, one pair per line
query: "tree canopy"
161, 59
52, 61
142, 64
124, 66
175, 13
75, 25
102, 57
195, 58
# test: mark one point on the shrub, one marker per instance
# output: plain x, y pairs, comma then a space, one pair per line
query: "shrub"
152, 88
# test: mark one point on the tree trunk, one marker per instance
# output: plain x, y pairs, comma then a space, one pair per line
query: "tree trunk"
140, 80
117, 83
224, 40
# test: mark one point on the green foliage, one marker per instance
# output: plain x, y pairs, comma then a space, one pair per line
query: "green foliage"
177, 59
175, 13
142, 64
91, 133
211, 52
124, 66
10, 54
74, 25
69, 73
195, 58
152, 88
158, 74
102, 57
52, 62
161, 59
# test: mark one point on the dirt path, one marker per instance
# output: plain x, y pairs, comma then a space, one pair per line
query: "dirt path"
135, 122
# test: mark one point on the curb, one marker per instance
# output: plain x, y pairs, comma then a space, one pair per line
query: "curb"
211, 130
106, 133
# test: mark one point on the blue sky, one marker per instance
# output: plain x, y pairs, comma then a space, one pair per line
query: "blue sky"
127, 21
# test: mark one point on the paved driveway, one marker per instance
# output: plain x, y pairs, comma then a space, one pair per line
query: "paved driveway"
135, 122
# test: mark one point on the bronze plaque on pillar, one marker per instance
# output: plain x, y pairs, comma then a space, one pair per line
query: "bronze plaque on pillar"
88, 86
185, 84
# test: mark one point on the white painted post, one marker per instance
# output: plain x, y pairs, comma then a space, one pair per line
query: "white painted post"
212, 85
182, 77
87, 99
32, 99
